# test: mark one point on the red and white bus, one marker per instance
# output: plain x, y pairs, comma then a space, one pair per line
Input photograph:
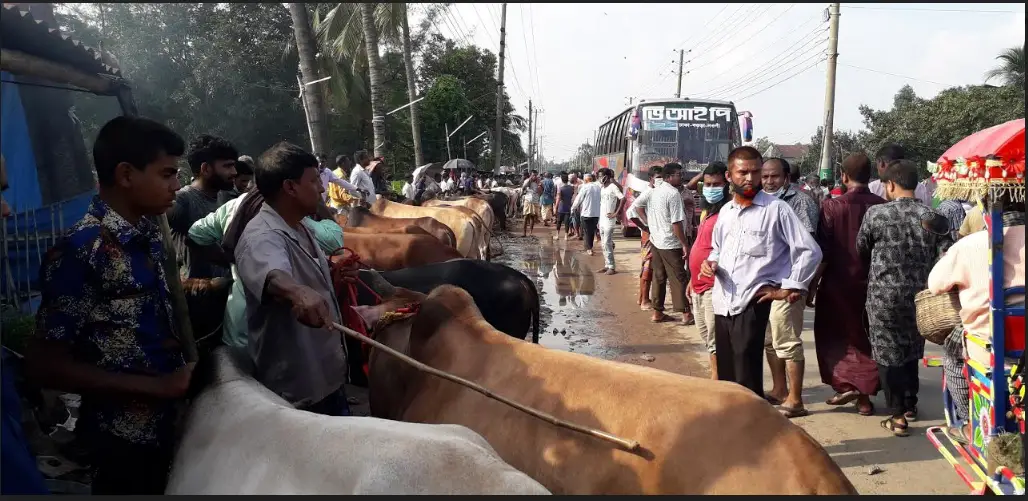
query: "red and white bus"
691, 132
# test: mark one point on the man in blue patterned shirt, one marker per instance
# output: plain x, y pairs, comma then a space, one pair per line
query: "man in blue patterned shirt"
105, 328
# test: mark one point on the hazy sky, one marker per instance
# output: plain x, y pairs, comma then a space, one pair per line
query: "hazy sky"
581, 62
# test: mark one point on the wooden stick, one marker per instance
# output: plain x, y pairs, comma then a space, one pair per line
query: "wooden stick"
629, 445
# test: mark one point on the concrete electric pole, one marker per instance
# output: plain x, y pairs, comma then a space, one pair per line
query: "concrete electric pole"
681, 60
827, 169
498, 136
529, 134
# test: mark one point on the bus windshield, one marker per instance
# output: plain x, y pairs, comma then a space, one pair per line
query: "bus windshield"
687, 133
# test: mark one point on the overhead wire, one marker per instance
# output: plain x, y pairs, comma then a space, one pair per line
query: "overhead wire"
794, 75
897, 75
729, 93
720, 40
934, 10
745, 41
698, 32
799, 46
765, 64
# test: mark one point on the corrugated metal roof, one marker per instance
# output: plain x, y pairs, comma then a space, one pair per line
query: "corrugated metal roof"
21, 32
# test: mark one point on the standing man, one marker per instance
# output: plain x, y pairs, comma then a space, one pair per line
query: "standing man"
532, 188
885, 155
895, 237
782, 342
361, 178
700, 287
329, 178
813, 188
611, 200
290, 300
645, 271
244, 174
565, 197
549, 195
663, 214
760, 253
587, 202
105, 328
212, 161
575, 226
839, 292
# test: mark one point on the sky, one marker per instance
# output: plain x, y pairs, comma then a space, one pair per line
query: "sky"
580, 63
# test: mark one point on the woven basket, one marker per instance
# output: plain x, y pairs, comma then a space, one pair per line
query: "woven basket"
937, 314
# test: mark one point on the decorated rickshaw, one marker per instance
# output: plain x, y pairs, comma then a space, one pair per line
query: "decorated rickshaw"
987, 168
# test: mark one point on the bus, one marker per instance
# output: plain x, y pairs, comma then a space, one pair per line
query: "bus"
691, 132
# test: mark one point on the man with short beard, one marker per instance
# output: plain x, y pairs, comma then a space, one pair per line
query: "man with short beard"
782, 342
760, 253
212, 161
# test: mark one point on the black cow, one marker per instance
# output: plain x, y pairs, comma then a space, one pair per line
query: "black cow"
498, 202
507, 298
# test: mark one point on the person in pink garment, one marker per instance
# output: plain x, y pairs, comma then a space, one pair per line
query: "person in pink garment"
965, 267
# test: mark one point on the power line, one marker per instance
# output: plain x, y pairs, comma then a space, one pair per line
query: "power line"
720, 40
749, 39
772, 44
535, 53
725, 94
935, 10
802, 46
794, 75
900, 76
708, 23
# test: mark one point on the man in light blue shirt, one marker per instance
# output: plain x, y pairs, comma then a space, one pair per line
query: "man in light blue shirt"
761, 253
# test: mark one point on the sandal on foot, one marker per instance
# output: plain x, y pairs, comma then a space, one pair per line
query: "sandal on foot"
843, 398
793, 412
911, 415
772, 400
897, 429
662, 318
867, 411
956, 433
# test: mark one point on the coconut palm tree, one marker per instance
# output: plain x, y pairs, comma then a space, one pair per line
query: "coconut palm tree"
367, 11
1011, 68
307, 48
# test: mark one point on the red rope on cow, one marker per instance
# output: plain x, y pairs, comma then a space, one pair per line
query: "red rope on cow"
346, 296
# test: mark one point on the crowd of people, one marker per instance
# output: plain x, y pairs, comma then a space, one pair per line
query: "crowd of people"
768, 247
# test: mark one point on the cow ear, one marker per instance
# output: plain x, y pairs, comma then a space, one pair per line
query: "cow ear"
370, 314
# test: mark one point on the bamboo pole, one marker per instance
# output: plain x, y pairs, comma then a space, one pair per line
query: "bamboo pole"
628, 445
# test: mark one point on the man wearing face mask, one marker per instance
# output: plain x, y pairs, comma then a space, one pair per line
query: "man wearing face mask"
760, 253
715, 196
782, 343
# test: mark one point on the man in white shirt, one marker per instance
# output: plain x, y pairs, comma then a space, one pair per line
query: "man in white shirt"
760, 253
611, 200
587, 202
663, 214
329, 177
361, 178
885, 155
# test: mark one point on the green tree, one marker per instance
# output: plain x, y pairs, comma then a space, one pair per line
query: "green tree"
762, 144
1011, 68
843, 143
928, 127
306, 48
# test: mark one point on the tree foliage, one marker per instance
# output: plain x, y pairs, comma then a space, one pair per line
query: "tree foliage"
1010, 71
843, 143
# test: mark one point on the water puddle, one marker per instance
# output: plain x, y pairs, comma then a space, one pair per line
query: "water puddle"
568, 319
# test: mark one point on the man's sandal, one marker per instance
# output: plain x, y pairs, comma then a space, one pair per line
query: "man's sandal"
899, 430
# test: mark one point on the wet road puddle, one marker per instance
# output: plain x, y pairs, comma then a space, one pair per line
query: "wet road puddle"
568, 316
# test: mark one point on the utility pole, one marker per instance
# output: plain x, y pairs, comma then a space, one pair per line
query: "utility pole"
498, 136
446, 128
681, 60
827, 169
529, 134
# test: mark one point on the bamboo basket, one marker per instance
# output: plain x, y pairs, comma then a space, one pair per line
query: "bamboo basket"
937, 314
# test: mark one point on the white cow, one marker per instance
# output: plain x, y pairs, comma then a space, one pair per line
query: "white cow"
241, 438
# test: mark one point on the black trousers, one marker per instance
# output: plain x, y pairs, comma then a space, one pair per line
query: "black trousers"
668, 265
565, 219
740, 346
589, 230
901, 385
121, 467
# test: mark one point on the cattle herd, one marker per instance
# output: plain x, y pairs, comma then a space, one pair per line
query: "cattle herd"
470, 318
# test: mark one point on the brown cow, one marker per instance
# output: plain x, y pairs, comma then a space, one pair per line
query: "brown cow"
463, 225
394, 251
697, 436
359, 217
480, 207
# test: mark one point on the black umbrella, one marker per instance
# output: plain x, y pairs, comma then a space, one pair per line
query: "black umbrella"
459, 164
